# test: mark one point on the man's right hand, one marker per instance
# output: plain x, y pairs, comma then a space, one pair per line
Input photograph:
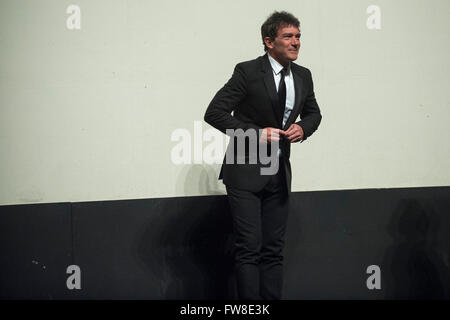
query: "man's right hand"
270, 134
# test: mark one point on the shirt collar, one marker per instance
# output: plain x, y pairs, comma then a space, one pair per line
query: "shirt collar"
276, 66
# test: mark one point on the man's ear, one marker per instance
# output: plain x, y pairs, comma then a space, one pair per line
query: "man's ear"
268, 42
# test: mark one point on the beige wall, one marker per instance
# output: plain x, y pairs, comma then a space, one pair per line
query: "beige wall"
88, 114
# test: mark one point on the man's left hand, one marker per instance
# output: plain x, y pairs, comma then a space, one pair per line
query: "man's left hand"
294, 133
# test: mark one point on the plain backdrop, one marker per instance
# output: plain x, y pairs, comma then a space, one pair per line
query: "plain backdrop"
89, 114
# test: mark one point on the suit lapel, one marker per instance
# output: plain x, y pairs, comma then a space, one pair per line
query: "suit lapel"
271, 88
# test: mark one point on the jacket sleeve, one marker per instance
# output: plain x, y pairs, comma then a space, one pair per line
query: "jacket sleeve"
310, 115
218, 113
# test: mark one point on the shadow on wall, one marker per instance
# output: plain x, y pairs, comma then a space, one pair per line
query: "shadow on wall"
199, 179
188, 249
415, 261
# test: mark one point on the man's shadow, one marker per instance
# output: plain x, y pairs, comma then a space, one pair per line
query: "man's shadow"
187, 246
414, 260
200, 179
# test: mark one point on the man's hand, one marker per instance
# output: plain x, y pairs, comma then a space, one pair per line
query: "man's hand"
270, 134
294, 133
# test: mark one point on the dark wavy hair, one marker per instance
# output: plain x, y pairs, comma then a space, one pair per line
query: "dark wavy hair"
276, 20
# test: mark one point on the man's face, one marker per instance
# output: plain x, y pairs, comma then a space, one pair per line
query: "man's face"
286, 45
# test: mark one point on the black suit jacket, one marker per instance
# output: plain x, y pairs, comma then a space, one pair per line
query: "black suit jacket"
251, 94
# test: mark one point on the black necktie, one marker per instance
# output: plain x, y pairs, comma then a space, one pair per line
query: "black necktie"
282, 94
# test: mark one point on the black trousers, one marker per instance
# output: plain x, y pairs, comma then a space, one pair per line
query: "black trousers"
259, 224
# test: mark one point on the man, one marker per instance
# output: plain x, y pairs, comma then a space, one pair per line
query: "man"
266, 95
